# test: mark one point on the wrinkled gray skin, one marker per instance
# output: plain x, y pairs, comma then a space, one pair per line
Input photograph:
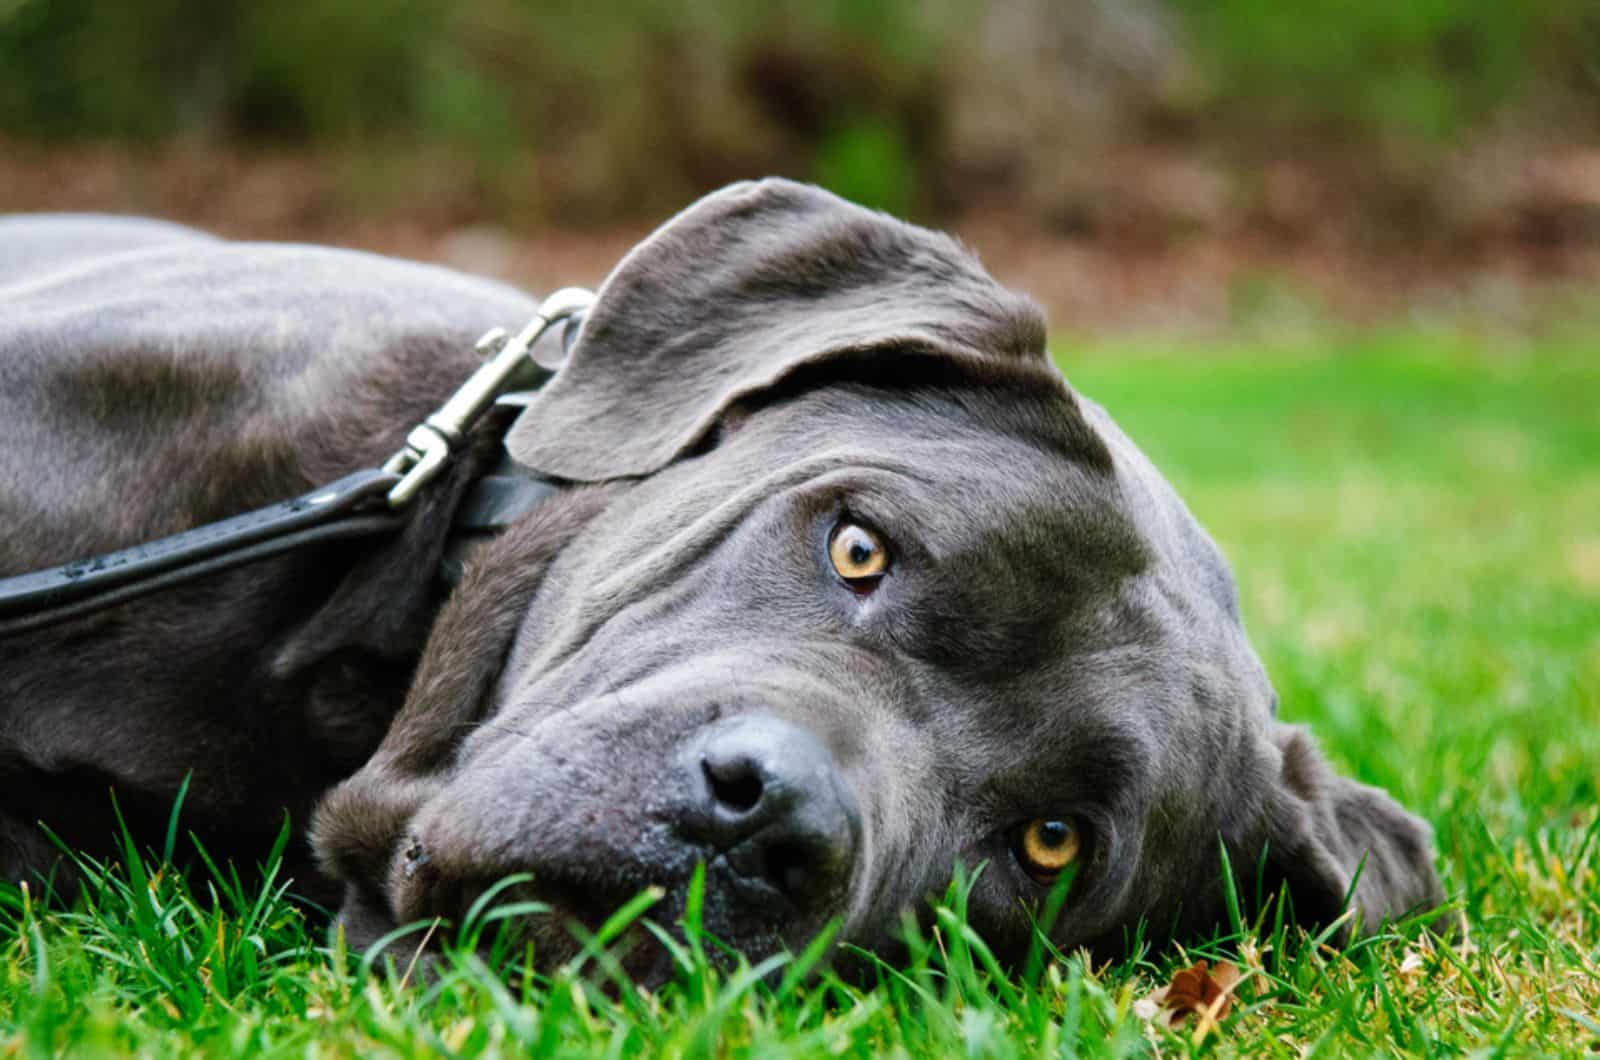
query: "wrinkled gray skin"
1056, 636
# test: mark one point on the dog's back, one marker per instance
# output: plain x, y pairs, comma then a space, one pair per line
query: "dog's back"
36, 246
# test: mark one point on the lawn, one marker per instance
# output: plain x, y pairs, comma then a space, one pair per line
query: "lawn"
1415, 522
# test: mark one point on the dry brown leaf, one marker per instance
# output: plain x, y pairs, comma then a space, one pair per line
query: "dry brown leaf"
1199, 989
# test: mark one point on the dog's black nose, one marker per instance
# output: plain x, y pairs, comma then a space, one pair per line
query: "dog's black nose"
767, 795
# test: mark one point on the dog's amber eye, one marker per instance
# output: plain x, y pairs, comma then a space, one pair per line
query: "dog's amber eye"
1045, 847
858, 555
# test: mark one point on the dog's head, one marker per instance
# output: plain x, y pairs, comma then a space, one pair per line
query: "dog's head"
850, 587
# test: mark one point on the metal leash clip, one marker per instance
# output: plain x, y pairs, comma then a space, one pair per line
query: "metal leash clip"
430, 443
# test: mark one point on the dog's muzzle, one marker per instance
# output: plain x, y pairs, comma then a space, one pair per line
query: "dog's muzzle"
764, 797
759, 801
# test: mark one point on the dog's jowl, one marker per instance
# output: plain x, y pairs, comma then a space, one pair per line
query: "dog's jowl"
840, 584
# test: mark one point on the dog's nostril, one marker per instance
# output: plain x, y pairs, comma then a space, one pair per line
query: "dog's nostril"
734, 782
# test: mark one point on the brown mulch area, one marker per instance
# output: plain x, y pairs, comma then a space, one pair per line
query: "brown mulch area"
1156, 242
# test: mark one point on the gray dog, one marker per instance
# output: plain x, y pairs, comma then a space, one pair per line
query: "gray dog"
842, 585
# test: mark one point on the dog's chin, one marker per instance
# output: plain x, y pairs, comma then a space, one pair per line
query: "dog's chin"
555, 918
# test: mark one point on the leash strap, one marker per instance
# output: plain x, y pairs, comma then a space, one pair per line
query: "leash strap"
354, 506
366, 503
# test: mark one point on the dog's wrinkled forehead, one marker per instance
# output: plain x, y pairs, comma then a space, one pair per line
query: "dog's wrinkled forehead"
736, 293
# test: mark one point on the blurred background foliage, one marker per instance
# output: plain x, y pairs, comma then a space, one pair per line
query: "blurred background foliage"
922, 106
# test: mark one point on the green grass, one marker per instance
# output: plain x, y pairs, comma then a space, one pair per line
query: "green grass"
1415, 522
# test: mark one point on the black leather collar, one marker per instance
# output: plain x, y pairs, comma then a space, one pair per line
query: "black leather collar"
492, 503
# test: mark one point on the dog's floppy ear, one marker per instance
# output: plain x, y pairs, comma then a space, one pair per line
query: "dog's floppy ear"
735, 293
1323, 829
